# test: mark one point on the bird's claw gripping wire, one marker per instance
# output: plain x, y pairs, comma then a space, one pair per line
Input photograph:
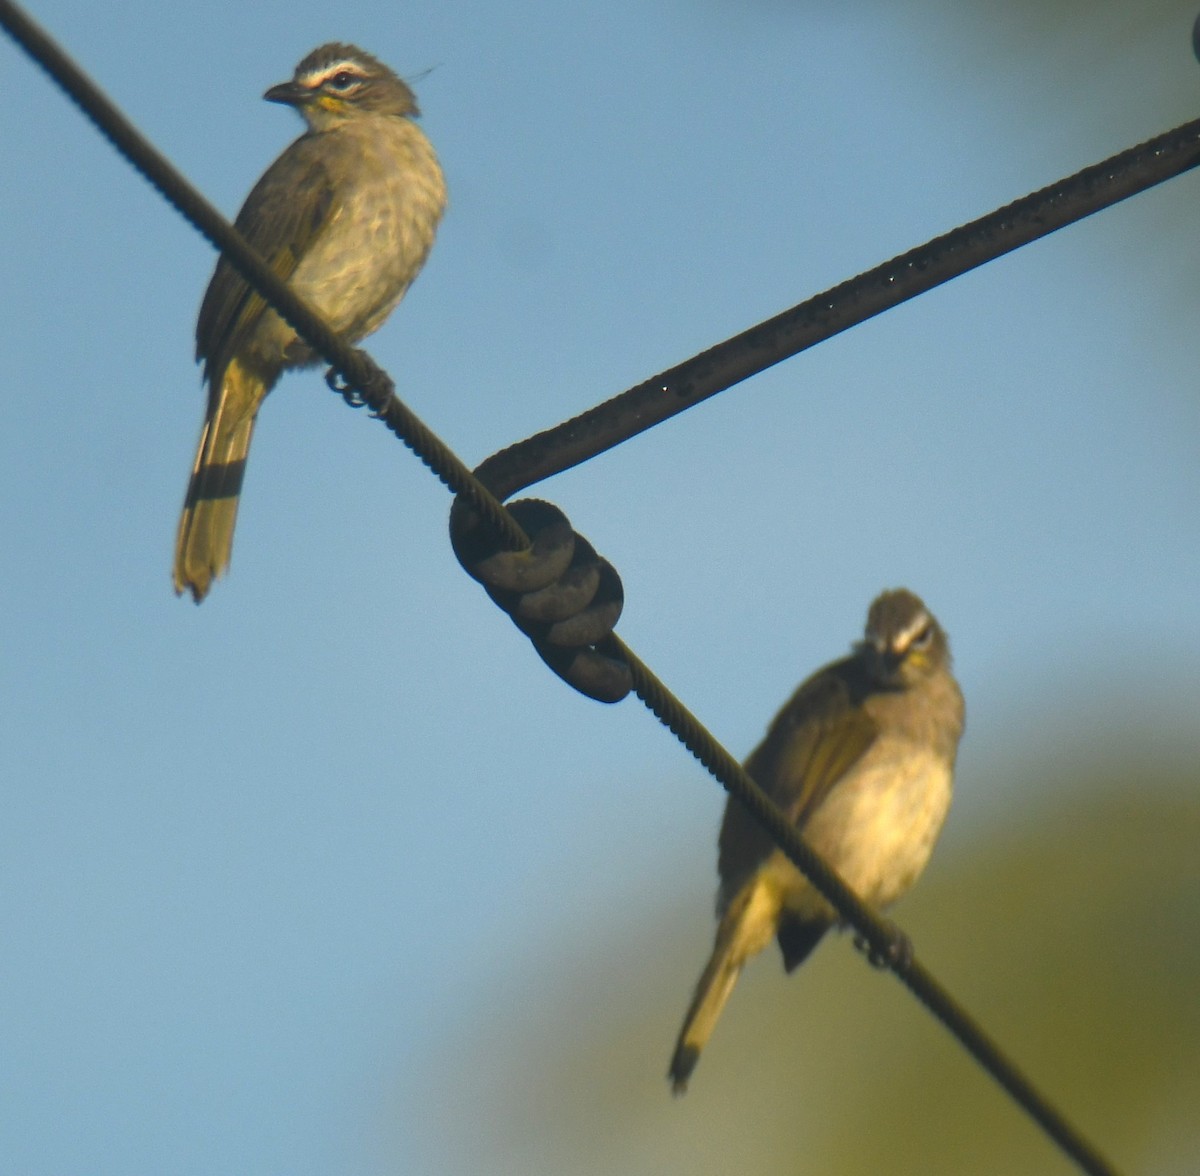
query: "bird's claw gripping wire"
379, 388
351, 395
896, 954
562, 595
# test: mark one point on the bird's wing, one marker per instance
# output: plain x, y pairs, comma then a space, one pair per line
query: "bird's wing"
818, 736
283, 215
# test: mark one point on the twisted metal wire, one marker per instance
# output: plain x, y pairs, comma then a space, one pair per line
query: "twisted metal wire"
372, 386
843, 306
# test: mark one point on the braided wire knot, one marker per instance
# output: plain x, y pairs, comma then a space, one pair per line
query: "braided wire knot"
558, 591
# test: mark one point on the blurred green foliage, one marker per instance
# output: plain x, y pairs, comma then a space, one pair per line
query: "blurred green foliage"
1071, 930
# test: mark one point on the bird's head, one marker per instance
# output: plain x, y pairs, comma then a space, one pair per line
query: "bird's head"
337, 83
903, 641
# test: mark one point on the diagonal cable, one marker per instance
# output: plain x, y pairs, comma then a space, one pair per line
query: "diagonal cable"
374, 387
846, 305
360, 374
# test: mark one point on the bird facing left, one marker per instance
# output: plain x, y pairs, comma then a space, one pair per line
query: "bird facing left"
347, 216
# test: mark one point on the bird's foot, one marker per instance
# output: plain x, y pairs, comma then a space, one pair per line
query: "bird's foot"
349, 394
896, 953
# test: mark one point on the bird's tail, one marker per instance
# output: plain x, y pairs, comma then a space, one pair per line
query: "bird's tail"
745, 929
205, 537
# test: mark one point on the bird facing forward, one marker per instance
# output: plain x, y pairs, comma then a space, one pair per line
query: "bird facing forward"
346, 215
861, 761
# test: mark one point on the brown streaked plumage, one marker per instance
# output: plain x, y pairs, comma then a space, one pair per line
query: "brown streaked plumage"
347, 214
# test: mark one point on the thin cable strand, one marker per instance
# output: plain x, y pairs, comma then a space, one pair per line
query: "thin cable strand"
839, 308
375, 389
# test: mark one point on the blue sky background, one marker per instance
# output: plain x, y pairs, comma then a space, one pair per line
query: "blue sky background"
262, 860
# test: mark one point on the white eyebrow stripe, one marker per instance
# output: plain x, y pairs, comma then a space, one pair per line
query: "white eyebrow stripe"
315, 77
904, 637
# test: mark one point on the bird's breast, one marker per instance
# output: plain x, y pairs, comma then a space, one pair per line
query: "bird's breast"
389, 198
878, 825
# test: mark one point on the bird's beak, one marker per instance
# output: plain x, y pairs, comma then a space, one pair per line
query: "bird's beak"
289, 93
886, 658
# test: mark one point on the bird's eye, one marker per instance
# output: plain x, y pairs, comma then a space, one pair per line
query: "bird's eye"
342, 81
923, 638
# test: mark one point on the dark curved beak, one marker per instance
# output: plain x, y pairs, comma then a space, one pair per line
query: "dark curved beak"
288, 93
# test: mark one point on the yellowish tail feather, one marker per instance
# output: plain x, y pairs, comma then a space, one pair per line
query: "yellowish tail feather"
205, 538
745, 929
